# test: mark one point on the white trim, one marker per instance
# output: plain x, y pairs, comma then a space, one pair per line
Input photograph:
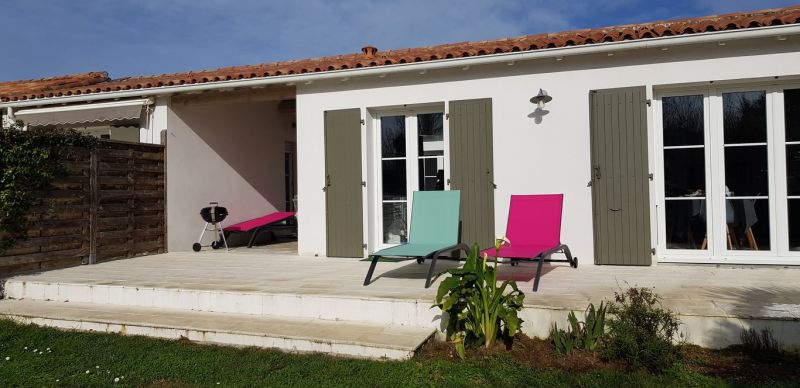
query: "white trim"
557, 52
72, 108
411, 158
684, 147
718, 253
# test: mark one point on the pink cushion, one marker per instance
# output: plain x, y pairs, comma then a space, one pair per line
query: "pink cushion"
534, 225
249, 225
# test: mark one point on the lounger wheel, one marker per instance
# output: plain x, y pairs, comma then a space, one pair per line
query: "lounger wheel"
574, 263
215, 245
514, 263
420, 260
196, 247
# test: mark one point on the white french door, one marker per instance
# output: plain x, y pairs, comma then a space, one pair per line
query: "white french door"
411, 148
729, 187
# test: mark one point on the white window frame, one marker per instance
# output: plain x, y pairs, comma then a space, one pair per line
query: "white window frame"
717, 251
660, 175
779, 146
718, 172
412, 163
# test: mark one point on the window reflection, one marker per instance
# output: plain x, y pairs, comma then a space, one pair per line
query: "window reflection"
683, 120
394, 179
791, 102
686, 224
747, 223
745, 117
747, 171
684, 172
794, 224
393, 136
394, 223
430, 130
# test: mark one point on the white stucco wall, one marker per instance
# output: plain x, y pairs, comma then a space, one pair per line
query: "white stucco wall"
232, 153
529, 157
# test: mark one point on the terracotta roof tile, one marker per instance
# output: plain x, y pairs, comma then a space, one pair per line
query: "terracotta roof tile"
98, 82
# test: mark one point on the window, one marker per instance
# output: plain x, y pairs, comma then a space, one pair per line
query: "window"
744, 118
393, 171
729, 179
412, 157
791, 104
684, 172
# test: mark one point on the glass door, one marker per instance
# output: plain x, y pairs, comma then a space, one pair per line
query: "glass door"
747, 216
791, 116
684, 163
394, 185
412, 157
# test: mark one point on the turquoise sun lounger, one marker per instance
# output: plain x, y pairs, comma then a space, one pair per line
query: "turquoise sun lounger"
434, 231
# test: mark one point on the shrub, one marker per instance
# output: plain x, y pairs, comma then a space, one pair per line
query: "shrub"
29, 161
761, 346
479, 311
585, 335
640, 331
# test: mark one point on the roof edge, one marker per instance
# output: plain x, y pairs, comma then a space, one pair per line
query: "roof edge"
292, 79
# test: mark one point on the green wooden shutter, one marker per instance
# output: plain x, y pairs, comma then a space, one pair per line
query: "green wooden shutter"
620, 178
471, 168
343, 204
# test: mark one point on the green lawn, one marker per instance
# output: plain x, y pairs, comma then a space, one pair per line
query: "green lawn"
140, 361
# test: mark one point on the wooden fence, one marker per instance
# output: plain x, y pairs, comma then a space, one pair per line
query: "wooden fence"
110, 205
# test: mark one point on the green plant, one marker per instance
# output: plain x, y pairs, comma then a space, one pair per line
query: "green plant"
585, 335
640, 331
479, 310
29, 161
761, 345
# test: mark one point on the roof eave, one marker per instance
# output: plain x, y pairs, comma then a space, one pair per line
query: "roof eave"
607, 47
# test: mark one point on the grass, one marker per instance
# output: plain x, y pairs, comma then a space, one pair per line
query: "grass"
140, 361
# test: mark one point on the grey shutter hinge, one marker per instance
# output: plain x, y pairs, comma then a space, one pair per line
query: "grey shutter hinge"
364, 246
650, 175
652, 251
447, 116
649, 102
589, 184
364, 183
363, 122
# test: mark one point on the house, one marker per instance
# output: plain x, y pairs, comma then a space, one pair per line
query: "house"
672, 141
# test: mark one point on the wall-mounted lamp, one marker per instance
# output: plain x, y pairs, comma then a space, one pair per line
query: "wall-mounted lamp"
541, 98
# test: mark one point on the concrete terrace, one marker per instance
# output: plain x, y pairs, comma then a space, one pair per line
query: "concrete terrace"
715, 303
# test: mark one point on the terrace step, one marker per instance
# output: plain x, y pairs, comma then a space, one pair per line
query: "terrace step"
352, 339
371, 309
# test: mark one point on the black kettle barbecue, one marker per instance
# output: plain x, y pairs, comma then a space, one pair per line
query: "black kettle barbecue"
213, 215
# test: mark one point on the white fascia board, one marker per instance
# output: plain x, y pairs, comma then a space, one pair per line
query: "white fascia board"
70, 108
608, 47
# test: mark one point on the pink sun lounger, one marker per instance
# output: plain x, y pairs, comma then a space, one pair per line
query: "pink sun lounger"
257, 225
534, 230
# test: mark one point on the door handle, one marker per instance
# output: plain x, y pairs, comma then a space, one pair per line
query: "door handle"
615, 210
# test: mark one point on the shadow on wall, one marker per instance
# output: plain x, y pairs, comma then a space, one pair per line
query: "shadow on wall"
249, 137
776, 308
538, 115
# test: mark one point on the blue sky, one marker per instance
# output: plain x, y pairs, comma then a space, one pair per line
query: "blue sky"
43, 38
